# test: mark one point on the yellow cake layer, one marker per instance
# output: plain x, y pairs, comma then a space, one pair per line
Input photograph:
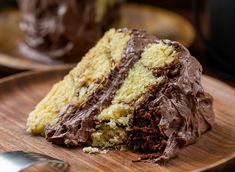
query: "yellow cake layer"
81, 81
158, 55
113, 121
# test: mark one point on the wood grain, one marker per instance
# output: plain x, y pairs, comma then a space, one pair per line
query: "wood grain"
19, 94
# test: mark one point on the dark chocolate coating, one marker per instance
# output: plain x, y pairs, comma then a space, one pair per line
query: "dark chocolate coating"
57, 31
180, 110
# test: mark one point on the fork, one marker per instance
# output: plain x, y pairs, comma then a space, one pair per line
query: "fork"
17, 161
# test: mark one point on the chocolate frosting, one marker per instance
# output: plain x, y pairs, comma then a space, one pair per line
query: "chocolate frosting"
58, 31
186, 110
75, 125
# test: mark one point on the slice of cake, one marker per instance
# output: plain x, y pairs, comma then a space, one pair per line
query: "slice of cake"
131, 90
63, 31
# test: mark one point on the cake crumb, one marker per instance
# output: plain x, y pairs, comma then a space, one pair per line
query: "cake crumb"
90, 150
93, 150
105, 151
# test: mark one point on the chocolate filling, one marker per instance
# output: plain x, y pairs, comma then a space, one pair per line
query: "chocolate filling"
76, 124
176, 114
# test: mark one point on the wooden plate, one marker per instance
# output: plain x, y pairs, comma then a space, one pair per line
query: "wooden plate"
19, 94
160, 22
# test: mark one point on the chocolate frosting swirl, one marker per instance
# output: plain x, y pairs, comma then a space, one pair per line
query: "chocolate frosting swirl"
186, 110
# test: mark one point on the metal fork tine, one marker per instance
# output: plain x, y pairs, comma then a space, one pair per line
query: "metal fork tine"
17, 161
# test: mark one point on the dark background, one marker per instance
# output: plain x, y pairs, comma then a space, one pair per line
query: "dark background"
4, 3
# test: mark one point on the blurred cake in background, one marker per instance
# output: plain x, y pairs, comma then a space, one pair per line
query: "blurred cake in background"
59, 31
